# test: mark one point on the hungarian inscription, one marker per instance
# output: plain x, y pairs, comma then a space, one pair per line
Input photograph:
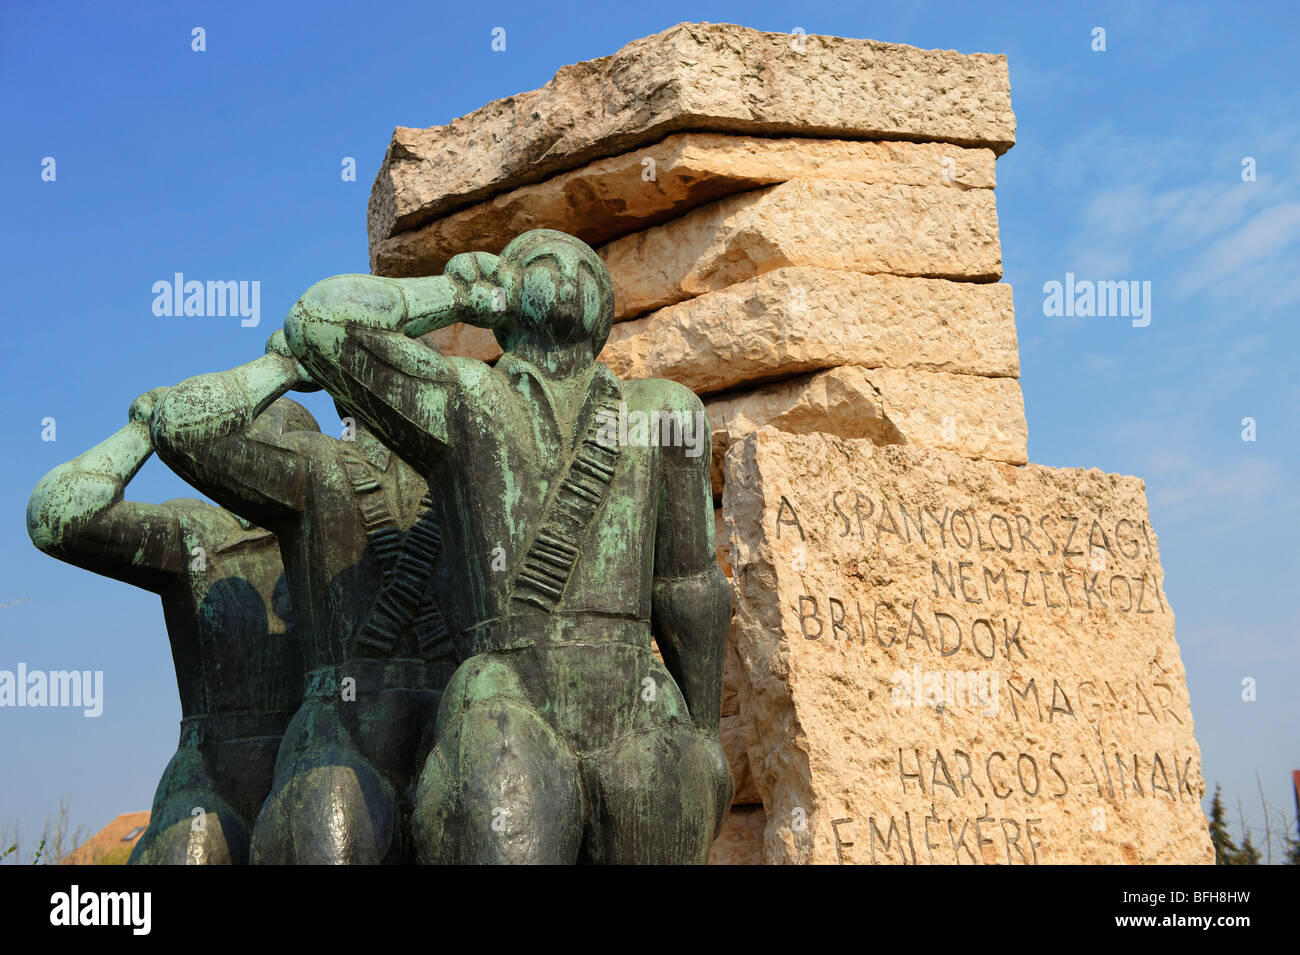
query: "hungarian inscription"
980, 658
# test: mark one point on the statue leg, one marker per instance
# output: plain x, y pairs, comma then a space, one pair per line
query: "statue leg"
190, 824
659, 798
500, 786
660, 787
328, 804
243, 769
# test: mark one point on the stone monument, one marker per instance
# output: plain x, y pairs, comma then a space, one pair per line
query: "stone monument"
686, 482
802, 230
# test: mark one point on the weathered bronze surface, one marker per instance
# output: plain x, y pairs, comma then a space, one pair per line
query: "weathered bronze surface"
482, 569
562, 738
229, 621
358, 537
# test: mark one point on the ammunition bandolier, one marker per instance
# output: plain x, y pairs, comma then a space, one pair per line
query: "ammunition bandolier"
406, 560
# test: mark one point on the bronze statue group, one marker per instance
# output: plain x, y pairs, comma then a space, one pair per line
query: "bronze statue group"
433, 638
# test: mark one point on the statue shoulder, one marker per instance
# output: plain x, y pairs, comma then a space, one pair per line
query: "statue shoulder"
675, 415
660, 394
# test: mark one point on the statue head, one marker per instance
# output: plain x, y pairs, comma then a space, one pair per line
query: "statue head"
560, 290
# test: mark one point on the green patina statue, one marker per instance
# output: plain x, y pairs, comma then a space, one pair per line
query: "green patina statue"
481, 570
358, 535
229, 621
570, 542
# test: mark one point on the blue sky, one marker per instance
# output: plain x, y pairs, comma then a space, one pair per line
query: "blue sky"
226, 164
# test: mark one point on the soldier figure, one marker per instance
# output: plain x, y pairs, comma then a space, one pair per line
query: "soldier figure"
229, 620
359, 537
562, 738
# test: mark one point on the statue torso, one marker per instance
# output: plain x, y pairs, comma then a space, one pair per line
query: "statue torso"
229, 618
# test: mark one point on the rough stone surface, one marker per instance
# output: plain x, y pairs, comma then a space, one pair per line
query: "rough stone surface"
796, 320
1069, 738
737, 736
737, 733
724, 555
840, 401
741, 840
693, 76
732, 674
931, 231
620, 194
976, 417
466, 341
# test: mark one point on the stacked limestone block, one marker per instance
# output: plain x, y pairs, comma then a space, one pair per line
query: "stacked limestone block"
801, 229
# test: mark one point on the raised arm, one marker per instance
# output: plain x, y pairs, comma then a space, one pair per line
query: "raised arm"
77, 513
204, 431
356, 335
691, 604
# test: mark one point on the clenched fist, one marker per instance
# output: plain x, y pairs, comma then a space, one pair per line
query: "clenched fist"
142, 408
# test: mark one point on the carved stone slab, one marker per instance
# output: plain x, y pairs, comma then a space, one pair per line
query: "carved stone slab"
954, 661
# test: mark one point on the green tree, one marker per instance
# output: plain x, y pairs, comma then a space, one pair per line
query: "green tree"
1225, 850
1248, 854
